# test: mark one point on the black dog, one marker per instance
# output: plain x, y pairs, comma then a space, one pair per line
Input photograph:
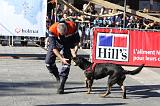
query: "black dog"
97, 71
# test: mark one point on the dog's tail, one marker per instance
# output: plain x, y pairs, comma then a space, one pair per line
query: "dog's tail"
136, 71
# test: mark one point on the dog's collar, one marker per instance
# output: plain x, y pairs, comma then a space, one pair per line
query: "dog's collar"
91, 67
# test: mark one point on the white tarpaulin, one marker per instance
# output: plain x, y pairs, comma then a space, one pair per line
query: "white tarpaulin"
23, 17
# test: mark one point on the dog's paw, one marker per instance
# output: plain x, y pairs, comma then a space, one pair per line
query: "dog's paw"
88, 92
103, 95
124, 97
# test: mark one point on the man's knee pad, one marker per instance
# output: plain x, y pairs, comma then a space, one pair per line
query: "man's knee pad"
52, 68
64, 71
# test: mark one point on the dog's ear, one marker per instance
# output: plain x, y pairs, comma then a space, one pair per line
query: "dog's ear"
74, 58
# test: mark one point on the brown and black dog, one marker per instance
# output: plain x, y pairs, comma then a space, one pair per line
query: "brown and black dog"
115, 72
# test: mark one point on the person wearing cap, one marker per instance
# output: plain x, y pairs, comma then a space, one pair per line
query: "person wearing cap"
63, 37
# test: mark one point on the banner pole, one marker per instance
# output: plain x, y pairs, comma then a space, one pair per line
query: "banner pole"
124, 14
55, 16
12, 41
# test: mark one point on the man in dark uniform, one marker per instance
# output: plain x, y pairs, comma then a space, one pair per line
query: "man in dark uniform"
63, 37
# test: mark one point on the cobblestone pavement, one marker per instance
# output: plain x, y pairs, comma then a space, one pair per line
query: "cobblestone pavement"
25, 81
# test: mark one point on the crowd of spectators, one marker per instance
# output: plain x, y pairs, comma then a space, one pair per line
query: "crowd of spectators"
85, 23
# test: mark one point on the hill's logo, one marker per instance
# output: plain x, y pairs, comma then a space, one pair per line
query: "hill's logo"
112, 46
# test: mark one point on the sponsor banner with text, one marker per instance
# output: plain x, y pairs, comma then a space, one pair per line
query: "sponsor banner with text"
126, 47
23, 18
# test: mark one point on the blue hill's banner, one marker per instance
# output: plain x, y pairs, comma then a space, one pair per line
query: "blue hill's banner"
126, 47
112, 46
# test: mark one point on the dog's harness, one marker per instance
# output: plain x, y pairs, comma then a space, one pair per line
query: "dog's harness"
89, 71
91, 67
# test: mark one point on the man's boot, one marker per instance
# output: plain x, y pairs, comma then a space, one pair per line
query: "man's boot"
60, 89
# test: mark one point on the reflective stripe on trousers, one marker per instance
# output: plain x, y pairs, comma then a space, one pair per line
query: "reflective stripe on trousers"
64, 71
